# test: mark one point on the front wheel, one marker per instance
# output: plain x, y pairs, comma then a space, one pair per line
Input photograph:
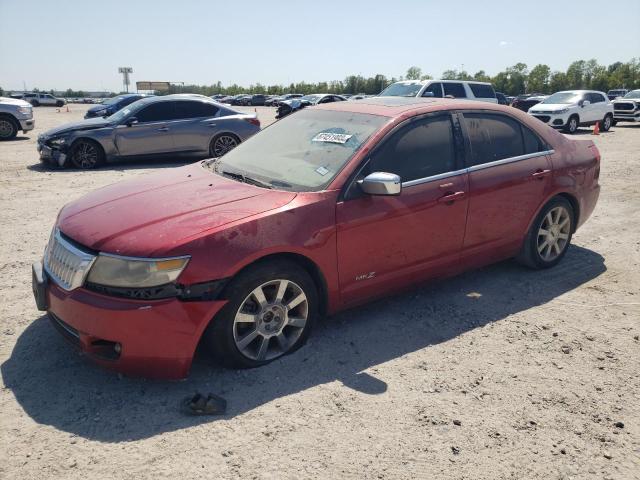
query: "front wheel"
8, 128
572, 124
606, 123
549, 236
270, 313
86, 154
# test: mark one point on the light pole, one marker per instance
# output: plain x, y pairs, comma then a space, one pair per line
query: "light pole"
125, 71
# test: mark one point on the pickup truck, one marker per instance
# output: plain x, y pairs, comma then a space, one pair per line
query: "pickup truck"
15, 115
37, 99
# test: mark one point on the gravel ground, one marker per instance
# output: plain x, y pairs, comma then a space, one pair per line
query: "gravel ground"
499, 373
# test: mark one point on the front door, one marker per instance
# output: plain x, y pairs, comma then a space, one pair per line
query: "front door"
386, 242
151, 134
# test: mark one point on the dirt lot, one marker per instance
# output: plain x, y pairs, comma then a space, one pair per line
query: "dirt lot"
499, 373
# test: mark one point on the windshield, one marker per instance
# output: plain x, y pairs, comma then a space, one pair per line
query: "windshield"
111, 101
302, 152
401, 90
311, 98
633, 94
126, 111
564, 98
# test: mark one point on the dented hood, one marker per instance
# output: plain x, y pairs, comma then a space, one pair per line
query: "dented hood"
152, 214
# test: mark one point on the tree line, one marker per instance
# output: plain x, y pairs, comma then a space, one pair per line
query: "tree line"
514, 80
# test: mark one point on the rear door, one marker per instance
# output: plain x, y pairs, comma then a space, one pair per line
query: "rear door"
454, 89
195, 126
433, 90
404, 238
509, 173
151, 135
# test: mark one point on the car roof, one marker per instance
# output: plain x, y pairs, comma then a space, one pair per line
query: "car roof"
431, 80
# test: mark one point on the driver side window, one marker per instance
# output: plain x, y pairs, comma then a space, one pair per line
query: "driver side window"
422, 149
156, 112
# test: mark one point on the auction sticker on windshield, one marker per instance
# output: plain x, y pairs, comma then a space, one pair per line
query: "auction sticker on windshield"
331, 137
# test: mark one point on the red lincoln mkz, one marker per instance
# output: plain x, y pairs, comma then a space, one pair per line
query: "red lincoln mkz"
321, 211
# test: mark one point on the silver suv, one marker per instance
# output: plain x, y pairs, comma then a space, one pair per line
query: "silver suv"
37, 99
442, 89
15, 115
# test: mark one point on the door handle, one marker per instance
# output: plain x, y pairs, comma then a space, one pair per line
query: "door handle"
162, 129
540, 174
451, 197
212, 125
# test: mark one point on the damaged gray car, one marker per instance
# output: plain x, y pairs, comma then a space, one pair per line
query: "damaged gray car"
151, 128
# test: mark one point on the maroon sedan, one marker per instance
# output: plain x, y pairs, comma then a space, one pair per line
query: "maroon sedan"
324, 210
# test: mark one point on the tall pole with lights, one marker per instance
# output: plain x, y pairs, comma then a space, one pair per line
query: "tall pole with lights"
125, 71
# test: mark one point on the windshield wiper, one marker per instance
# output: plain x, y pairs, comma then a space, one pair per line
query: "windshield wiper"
245, 179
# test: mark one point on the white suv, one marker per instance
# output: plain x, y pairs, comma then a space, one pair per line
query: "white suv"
37, 99
442, 88
573, 108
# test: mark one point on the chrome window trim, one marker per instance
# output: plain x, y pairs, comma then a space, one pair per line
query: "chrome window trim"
482, 166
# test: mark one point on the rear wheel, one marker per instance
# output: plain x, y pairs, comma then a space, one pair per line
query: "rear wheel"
606, 123
549, 236
572, 124
271, 310
86, 154
8, 128
59, 103
35, 103
222, 144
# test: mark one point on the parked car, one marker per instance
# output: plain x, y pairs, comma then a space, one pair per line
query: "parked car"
289, 96
257, 99
613, 94
242, 254
37, 99
573, 108
441, 88
286, 107
502, 99
526, 101
627, 108
241, 100
154, 127
15, 115
112, 105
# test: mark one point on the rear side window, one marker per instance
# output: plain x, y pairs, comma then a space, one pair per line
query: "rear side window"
532, 143
187, 109
493, 137
456, 90
435, 89
481, 90
595, 98
156, 112
422, 149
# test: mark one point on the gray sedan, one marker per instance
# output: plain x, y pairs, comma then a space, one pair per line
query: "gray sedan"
152, 128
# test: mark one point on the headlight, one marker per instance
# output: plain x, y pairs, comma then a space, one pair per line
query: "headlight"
24, 110
58, 142
560, 112
128, 272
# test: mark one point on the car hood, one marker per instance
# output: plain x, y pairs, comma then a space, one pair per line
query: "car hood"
89, 124
153, 214
14, 101
550, 107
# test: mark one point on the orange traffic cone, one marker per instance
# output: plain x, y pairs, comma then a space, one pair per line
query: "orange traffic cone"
596, 129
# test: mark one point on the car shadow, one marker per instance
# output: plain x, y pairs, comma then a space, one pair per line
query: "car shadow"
19, 138
55, 386
117, 166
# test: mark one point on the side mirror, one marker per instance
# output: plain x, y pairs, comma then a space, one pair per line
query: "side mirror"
381, 183
131, 121
428, 94
585, 103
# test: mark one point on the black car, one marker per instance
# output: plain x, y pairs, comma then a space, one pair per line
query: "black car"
257, 99
286, 107
112, 105
526, 101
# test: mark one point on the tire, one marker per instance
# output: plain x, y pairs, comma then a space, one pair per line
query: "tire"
35, 103
8, 128
59, 103
572, 124
236, 336
606, 123
534, 254
86, 154
223, 143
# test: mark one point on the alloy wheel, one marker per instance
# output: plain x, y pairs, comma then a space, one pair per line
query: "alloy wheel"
573, 125
553, 234
270, 320
607, 123
85, 155
223, 144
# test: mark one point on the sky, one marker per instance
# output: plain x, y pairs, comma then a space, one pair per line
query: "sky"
56, 44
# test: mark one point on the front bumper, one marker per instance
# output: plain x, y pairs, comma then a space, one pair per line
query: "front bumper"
27, 124
51, 155
626, 117
553, 120
155, 339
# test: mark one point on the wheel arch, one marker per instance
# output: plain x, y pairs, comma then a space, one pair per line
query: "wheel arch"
571, 198
89, 139
305, 263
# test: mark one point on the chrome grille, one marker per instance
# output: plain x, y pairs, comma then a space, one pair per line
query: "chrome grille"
65, 263
629, 106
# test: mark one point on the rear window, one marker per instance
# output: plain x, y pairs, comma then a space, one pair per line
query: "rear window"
493, 137
481, 90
